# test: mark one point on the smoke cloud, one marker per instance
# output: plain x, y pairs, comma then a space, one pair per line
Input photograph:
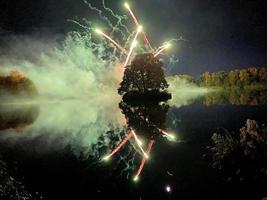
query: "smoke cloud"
77, 86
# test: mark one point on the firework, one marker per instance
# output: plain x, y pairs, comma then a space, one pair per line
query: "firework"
128, 53
134, 41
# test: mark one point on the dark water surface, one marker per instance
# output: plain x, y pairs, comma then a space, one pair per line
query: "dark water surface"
56, 160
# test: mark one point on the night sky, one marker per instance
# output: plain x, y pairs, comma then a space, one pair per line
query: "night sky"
221, 35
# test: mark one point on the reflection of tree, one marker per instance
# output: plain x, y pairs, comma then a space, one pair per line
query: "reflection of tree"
145, 122
146, 119
17, 117
242, 156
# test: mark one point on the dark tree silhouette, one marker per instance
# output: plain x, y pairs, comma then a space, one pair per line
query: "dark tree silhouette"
144, 74
242, 156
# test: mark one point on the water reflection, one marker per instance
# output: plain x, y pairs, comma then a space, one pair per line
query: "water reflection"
146, 118
236, 96
241, 156
99, 127
59, 123
18, 117
145, 122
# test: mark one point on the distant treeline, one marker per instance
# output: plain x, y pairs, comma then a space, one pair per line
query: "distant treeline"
252, 76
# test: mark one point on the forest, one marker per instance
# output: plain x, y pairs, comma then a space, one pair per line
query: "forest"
240, 78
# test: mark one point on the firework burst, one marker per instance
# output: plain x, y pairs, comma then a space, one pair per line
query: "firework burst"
139, 31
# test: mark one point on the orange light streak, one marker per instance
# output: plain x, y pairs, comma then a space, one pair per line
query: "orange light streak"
141, 166
160, 51
113, 42
119, 146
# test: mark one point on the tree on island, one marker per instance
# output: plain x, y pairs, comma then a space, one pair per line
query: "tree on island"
144, 74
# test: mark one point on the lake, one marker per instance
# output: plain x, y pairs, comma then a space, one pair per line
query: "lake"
60, 149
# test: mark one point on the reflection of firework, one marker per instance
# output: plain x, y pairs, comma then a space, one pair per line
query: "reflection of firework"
143, 121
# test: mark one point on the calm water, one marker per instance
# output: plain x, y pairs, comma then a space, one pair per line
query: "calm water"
55, 150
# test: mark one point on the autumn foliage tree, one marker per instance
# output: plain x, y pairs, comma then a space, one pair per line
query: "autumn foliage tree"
144, 74
17, 83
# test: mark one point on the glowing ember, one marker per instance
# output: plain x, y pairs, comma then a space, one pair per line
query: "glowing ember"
168, 188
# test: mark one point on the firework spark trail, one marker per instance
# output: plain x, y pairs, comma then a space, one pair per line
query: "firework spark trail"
106, 19
133, 45
112, 41
118, 17
100, 13
141, 166
94, 46
137, 24
159, 48
147, 41
129, 39
119, 146
79, 24
159, 52
139, 144
166, 46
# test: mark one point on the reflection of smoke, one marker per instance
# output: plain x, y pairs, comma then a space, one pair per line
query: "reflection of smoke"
184, 92
78, 123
